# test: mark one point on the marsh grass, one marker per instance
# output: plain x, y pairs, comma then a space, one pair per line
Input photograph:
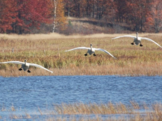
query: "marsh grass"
13, 108
98, 112
50, 53
80, 108
114, 112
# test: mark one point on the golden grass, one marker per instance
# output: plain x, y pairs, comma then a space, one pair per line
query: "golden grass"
80, 108
99, 112
133, 112
49, 50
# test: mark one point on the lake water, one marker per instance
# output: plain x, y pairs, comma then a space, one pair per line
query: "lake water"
31, 93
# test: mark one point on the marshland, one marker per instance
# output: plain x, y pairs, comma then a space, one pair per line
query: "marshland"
80, 88
48, 50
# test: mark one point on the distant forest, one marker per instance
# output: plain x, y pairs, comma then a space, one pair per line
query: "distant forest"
23, 16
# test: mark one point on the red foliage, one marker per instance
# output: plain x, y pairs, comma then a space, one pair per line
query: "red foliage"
18, 15
7, 14
31, 13
134, 12
155, 18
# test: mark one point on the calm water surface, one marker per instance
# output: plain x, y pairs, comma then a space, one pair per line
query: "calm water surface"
29, 93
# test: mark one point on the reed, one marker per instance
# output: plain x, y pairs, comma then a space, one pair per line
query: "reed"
50, 53
28, 116
13, 108
111, 112
81, 108
98, 112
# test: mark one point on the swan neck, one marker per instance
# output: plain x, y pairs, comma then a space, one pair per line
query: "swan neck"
25, 62
91, 46
136, 34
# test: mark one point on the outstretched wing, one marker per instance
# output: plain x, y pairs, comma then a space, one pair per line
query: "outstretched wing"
124, 36
14, 62
151, 41
105, 52
77, 48
39, 66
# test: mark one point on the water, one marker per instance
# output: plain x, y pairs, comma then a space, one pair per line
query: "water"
31, 93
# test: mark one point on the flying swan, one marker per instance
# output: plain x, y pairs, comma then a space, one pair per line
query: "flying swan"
25, 66
91, 50
137, 39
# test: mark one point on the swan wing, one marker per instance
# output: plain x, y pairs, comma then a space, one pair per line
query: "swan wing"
14, 62
105, 52
77, 48
39, 66
151, 41
124, 36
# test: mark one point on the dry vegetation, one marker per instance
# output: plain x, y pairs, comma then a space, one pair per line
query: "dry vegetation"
109, 112
97, 112
49, 50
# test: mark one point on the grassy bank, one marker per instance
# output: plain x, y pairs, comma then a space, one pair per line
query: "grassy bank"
49, 51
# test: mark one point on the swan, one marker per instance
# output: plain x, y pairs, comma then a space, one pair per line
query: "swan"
91, 50
25, 66
137, 39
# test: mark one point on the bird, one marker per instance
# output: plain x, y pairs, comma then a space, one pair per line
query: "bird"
25, 66
137, 39
91, 50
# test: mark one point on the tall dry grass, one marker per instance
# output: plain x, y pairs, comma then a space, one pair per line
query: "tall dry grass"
49, 51
95, 112
109, 112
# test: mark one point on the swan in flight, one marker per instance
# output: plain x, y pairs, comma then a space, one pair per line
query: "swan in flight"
25, 66
137, 39
91, 50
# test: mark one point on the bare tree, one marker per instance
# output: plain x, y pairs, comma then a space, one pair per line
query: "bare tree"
54, 15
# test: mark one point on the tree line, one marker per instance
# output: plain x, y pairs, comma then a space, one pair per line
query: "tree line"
140, 15
20, 16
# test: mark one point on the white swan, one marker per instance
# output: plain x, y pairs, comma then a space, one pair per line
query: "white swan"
91, 50
25, 66
138, 39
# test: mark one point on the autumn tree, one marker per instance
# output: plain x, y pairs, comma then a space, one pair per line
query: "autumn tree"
68, 7
81, 8
121, 10
21, 16
18, 16
58, 14
109, 10
155, 18
31, 13
7, 14
137, 13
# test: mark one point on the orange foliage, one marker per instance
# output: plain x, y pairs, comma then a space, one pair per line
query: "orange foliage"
59, 18
7, 14
155, 18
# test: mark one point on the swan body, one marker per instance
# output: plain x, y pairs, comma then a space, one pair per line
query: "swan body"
137, 39
25, 66
91, 50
